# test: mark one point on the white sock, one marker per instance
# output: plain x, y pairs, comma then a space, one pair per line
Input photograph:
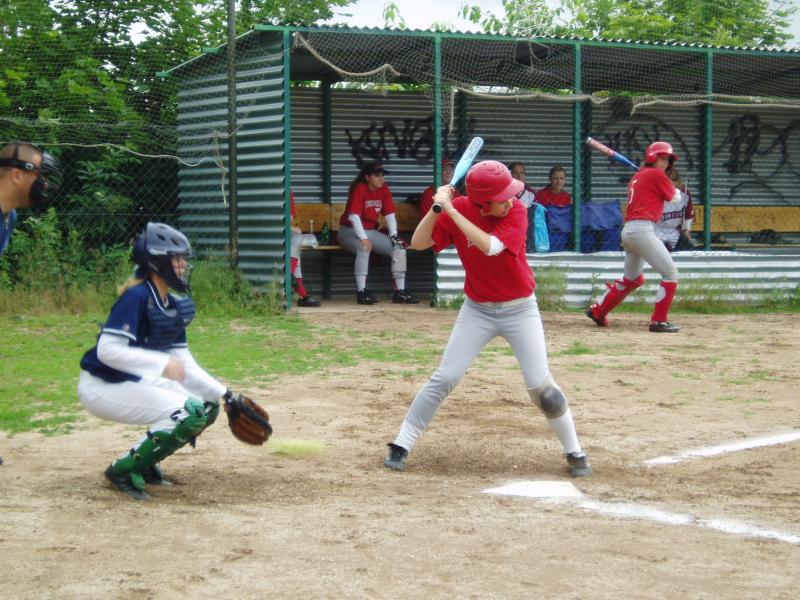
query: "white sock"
564, 428
408, 436
400, 283
361, 282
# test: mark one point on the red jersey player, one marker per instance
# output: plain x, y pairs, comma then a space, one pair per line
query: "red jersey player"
555, 194
648, 191
368, 199
488, 228
426, 201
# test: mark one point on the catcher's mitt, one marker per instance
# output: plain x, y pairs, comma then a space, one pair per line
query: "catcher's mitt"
247, 420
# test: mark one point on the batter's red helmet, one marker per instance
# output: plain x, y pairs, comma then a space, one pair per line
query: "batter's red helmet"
491, 181
656, 148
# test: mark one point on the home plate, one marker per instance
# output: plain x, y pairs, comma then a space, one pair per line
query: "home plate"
537, 489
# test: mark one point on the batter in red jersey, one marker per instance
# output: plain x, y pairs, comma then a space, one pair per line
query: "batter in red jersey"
648, 191
488, 228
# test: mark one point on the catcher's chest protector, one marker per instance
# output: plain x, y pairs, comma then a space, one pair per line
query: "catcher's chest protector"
167, 325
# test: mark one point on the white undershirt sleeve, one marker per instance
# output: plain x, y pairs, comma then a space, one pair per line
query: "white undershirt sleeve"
197, 380
355, 220
391, 224
114, 351
496, 246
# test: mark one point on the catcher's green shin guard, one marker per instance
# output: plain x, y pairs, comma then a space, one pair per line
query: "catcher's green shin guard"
161, 444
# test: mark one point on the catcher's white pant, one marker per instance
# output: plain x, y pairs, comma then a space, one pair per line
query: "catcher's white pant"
156, 401
520, 323
641, 244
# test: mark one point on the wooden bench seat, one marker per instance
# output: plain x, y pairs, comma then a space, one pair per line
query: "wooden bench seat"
320, 213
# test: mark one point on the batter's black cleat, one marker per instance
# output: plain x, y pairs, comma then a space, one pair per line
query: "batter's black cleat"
308, 301
404, 297
396, 461
664, 327
599, 321
155, 476
364, 297
578, 464
122, 481
1, 460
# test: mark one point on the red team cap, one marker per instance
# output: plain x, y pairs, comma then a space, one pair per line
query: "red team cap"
491, 181
656, 148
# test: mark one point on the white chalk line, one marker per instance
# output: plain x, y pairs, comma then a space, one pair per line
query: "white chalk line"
772, 440
561, 492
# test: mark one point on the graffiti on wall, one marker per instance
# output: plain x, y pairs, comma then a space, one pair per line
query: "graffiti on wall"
756, 153
383, 140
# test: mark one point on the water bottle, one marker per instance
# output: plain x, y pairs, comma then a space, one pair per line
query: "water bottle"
326, 234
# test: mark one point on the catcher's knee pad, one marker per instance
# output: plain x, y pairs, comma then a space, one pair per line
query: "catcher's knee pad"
195, 419
549, 398
398, 260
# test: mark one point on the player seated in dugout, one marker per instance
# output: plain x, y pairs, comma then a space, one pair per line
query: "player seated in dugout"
554, 193
369, 198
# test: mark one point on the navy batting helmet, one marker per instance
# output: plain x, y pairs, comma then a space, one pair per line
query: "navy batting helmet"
153, 252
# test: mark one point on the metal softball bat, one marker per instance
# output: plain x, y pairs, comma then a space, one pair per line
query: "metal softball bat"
612, 154
463, 165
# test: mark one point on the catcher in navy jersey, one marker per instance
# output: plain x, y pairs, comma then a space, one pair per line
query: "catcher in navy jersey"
141, 370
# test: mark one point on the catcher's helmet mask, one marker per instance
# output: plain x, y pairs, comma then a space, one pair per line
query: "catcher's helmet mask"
153, 252
491, 181
47, 184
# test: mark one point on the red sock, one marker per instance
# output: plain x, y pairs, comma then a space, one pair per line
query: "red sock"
661, 311
300, 288
295, 262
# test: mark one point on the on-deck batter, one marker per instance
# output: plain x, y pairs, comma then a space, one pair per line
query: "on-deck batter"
488, 228
648, 191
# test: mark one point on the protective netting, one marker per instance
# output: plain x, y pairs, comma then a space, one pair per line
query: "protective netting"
82, 79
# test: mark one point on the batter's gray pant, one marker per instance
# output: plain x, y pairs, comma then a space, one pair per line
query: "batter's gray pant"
641, 244
477, 324
380, 244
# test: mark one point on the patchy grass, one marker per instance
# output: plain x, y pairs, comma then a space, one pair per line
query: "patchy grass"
41, 356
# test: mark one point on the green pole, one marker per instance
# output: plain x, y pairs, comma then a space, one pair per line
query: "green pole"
708, 166
577, 151
287, 168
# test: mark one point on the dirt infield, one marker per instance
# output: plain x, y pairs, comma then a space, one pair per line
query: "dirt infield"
247, 523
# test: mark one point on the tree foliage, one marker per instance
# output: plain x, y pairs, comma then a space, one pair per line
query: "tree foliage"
717, 22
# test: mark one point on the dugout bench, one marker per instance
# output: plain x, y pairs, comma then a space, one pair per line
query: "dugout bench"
407, 220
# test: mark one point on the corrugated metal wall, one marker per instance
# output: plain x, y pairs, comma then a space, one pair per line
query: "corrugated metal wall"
751, 277
753, 153
394, 128
308, 145
260, 118
533, 131
756, 156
